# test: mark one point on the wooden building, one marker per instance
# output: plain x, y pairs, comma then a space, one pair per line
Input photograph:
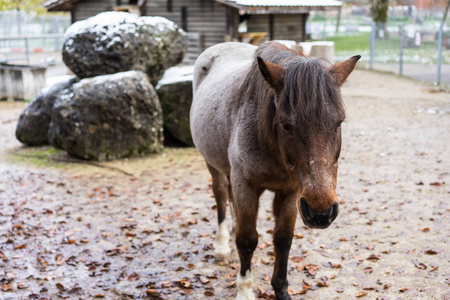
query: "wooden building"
210, 22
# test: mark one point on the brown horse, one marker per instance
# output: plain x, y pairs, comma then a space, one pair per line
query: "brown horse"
268, 118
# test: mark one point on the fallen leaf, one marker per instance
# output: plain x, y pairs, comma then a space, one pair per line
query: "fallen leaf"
420, 266
134, 277
21, 286
306, 286
434, 269
297, 259
373, 257
260, 290
98, 296
204, 280
431, 252
7, 287
360, 294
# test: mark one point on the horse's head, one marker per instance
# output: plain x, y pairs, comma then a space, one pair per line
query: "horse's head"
306, 127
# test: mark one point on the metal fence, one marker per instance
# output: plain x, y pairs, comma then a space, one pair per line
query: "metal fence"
409, 45
413, 50
22, 33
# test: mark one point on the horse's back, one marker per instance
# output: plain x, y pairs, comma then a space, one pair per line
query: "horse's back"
219, 56
218, 72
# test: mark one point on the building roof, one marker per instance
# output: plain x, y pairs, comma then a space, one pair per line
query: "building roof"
245, 6
280, 6
59, 5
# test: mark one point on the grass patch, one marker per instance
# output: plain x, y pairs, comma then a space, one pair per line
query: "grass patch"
39, 156
386, 51
355, 42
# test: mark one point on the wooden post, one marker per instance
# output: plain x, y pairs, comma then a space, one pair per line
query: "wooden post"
338, 19
184, 24
304, 18
441, 30
231, 30
271, 21
72, 15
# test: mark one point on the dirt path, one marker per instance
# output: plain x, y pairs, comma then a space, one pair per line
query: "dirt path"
80, 232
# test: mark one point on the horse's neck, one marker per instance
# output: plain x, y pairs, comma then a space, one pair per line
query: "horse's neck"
260, 137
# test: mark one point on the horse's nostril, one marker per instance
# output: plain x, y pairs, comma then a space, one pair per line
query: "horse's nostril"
304, 207
314, 219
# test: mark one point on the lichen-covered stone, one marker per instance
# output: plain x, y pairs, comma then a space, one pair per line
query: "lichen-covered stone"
114, 42
35, 120
175, 95
108, 117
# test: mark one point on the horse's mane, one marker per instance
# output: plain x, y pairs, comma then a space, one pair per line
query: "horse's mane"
308, 88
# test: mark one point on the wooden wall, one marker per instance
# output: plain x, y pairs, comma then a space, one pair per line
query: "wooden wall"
87, 8
202, 16
285, 27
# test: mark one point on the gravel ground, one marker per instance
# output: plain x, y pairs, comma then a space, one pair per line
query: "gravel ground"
78, 231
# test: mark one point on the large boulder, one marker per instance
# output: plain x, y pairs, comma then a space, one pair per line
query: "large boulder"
112, 42
35, 120
175, 95
108, 117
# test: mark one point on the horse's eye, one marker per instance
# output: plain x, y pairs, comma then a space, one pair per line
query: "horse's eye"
338, 124
286, 127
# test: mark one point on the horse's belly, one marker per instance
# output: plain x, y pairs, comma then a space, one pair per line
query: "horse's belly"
211, 123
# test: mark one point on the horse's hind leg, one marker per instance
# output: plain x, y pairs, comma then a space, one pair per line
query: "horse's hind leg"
220, 185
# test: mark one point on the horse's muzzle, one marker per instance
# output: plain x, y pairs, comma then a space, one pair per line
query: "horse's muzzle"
313, 219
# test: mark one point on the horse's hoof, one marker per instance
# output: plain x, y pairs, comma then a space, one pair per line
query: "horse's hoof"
246, 296
222, 259
284, 296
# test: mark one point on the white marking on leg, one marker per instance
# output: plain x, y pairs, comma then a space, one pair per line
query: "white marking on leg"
221, 246
244, 284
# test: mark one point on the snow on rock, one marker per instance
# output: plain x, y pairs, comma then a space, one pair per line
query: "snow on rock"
112, 42
177, 74
175, 94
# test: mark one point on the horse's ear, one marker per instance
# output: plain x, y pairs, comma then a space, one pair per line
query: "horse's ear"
341, 70
271, 72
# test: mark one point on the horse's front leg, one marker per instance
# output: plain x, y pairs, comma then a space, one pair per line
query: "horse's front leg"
285, 212
246, 210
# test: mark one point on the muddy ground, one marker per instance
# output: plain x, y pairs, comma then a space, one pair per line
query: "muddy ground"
146, 229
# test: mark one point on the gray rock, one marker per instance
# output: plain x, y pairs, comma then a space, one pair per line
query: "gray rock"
35, 120
175, 95
108, 117
114, 42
